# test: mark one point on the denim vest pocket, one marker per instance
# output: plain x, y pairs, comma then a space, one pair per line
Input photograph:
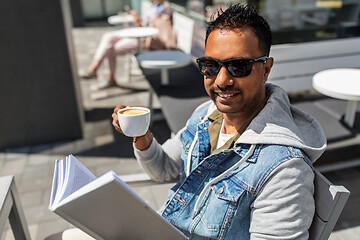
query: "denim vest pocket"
228, 190
220, 208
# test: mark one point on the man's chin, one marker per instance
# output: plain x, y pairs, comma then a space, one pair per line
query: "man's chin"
225, 109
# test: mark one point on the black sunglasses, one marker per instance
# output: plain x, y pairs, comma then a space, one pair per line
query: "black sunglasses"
237, 67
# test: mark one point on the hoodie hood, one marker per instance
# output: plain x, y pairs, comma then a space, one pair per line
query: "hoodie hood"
284, 124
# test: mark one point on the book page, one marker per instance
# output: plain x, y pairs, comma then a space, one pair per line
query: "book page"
97, 183
76, 176
69, 176
55, 184
59, 175
80, 179
61, 166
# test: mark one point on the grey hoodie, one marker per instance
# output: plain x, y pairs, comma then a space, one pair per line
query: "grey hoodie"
277, 123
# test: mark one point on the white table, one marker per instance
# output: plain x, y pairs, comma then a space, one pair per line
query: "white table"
138, 32
341, 83
121, 19
164, 60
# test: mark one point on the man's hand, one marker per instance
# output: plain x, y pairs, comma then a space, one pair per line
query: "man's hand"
115, 121
142, 142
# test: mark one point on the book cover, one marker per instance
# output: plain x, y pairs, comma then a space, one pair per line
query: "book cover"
104, 207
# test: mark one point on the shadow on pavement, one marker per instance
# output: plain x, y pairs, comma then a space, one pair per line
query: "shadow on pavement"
98, 114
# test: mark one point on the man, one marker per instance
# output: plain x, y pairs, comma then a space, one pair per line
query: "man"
245, 157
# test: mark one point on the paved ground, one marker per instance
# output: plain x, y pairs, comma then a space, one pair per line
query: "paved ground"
102, 149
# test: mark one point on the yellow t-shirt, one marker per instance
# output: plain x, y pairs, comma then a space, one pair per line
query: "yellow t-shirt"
215, 128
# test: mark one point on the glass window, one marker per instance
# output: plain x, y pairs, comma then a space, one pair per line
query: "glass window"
291, 20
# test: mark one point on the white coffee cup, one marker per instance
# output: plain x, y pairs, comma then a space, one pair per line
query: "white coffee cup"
134, 121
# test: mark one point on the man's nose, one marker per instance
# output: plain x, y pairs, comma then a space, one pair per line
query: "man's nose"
223, 78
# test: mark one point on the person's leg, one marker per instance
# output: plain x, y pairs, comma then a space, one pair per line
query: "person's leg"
70, 234
110, 80
111, 63
121, 47
107, 42
126, 45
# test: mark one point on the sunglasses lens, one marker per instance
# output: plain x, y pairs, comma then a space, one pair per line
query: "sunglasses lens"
239, 68
208, 67
236, 67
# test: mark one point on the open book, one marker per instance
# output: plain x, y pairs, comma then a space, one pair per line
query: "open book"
104, 207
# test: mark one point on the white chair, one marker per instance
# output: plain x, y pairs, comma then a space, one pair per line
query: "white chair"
10, 208
184, 28
329, 202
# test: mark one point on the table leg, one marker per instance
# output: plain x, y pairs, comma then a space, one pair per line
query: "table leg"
350, 113
128, 66
139, 45
164, 76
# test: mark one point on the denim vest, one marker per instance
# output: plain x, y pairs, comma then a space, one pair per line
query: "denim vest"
224, 211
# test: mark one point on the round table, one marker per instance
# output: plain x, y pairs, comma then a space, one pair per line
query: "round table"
121, 19
138, 32
341, 83
164, 60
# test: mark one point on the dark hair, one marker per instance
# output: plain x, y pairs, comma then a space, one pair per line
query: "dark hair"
243, 17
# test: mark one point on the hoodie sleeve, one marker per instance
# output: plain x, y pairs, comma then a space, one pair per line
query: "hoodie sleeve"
285, 207
161, 162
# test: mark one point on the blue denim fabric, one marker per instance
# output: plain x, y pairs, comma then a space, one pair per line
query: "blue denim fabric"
224, 211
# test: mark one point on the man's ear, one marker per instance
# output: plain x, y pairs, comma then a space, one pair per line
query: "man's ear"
267, 68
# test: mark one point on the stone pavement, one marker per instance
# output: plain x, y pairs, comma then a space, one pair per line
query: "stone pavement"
102, 149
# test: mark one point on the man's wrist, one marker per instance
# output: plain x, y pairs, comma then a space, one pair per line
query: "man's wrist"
135, 139
143, 142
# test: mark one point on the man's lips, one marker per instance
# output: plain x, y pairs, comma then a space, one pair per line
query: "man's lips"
225, 95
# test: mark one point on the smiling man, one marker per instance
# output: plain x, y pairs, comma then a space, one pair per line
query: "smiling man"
245, 157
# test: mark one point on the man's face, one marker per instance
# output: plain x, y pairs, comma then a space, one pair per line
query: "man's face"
236, 95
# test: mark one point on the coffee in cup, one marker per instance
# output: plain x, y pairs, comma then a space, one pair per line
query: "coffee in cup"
134, 121
133, 111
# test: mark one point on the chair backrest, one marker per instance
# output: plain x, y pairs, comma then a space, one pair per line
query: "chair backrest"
183, 27
329, 202
296, 63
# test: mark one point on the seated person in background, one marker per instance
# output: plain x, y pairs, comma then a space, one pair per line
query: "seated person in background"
111, 45
244, 158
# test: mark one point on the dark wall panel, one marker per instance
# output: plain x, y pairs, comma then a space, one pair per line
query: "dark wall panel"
38, 87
